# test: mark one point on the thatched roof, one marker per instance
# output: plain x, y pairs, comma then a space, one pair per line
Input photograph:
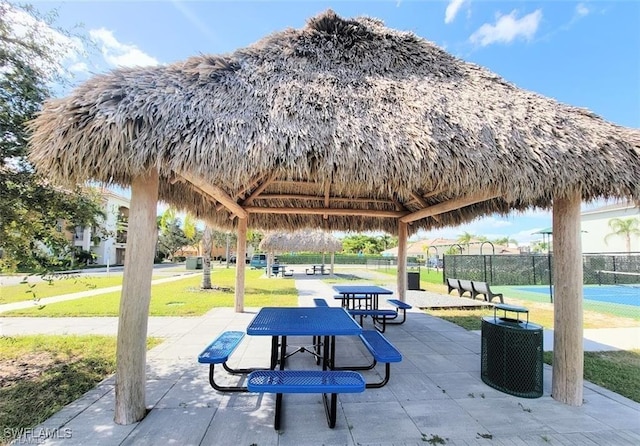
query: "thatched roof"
300, 241
344, 116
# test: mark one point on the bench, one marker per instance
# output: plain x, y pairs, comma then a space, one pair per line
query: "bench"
466, 286
399, 306
306, 381
218, 352
453, 284
379, 317
317, 269
382, 352
319, 302
484, 289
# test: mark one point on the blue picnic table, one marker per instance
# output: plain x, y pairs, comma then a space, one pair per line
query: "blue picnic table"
353, 294
321, 323
280, 322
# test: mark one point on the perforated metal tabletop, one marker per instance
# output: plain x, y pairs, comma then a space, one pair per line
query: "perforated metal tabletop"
303, 321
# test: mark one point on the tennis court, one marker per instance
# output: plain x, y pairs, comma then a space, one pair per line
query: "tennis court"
615, 294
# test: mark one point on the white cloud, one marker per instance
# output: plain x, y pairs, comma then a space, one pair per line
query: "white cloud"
582, 9
79, 67
64, 51
508, 28
120, 54
452, 10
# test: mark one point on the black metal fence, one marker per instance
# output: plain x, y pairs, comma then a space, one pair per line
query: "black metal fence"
537, 269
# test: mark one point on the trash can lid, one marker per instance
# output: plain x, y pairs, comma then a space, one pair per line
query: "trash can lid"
514, 308
514, 324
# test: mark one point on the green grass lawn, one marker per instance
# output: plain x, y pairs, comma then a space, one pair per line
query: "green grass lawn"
55, 287
618, 371
180, 298
41, 374
59, 285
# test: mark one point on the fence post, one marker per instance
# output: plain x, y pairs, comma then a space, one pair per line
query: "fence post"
484, 261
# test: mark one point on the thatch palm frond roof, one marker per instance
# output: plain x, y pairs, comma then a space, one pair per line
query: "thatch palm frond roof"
353, 122
300, 241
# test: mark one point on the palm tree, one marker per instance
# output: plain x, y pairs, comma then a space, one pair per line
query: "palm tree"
625, 228
190, 229
207, 244
539, 247
505, 241
465, 238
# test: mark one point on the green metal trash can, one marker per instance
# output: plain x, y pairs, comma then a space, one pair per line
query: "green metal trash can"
511, 353
194, 263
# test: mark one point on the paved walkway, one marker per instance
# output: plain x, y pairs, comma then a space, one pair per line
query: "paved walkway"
435, 395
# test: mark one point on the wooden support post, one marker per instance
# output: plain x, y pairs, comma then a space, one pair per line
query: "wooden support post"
270, 261
402, 260
241, 252
333, 261
131, 353
568, 355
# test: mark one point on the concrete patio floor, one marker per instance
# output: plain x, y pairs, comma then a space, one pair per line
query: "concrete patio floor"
435, 395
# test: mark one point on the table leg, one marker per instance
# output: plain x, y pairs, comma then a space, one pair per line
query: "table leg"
276, 422
330, 408
332, 356
326, 357
274, 352
283, 351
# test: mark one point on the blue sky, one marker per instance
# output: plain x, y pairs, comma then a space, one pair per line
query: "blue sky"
583, 53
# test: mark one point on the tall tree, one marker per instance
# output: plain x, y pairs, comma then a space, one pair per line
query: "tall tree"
465, 238
360, 243
33, 213
387, 241
504, 241
623, 227
207, 245
540, 247
191, 231
172, 235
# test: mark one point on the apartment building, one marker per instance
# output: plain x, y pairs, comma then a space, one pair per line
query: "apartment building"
108, 241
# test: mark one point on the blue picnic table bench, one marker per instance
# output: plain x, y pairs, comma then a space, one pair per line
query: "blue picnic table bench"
307, 381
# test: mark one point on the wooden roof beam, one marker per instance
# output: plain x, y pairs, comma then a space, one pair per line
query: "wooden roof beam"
320, 211
423, 203
259, 189
178, 179
244, 190
319, 198
447, 206
216, 193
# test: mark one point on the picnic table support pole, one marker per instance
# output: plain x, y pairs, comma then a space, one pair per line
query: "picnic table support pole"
568, 354
402, 261
241, 252
133, 317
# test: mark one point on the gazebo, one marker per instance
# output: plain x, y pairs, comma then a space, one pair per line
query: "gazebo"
344, 124
312, 241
